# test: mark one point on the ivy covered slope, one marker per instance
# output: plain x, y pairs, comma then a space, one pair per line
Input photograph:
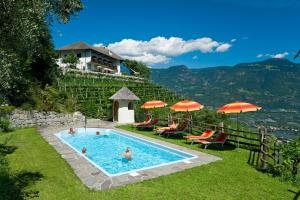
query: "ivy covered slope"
91, 91
273, 84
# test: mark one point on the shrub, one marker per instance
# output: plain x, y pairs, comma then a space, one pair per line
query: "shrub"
5, 125
71, 60
49, 99
6, 109
288, 170
139, 67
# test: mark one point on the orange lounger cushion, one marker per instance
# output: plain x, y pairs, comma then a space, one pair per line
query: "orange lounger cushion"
206, 134
221, 139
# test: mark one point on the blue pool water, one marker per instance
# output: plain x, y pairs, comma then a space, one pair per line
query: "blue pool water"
105, 151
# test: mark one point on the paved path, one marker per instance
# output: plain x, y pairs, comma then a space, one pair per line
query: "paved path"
93, 178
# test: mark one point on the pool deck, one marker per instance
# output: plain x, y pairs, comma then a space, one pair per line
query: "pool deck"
95, 179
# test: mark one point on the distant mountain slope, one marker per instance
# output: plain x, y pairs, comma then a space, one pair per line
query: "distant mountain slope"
273, 83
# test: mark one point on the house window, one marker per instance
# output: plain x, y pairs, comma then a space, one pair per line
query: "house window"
130, 106
79, 55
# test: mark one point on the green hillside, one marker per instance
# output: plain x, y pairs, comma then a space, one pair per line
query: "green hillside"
273, 84
92, 91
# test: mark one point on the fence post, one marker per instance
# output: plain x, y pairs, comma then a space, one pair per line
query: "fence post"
263, 148
221, 127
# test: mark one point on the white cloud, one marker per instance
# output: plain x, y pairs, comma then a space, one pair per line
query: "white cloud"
280, 55
195, 57
233, 40
98, 45
223, 47
149, 58
161, 49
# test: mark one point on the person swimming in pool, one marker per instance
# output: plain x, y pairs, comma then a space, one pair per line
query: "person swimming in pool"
84, 151
127, 154
98, 133
71, 131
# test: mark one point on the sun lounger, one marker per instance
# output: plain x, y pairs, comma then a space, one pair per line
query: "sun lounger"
147, 121
169, 128
150, 125
205, 135
180, 129
220, 139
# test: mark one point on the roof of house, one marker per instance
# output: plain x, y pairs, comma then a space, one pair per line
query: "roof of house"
83, 46
124, 94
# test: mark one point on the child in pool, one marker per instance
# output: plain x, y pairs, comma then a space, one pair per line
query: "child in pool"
71, 131
127, 154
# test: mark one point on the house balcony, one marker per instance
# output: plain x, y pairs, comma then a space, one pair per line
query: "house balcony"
103, 66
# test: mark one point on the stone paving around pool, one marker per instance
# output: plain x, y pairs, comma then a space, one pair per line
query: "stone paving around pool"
95, 179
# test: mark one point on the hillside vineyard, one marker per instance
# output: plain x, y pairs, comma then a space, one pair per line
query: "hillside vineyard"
92, 91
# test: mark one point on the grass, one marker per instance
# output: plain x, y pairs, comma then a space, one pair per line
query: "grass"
231, 178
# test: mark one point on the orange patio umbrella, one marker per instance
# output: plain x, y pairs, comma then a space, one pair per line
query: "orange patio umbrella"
238, 107
186, 106
154, 104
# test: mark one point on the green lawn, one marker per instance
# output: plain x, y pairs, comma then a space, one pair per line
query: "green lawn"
231, 178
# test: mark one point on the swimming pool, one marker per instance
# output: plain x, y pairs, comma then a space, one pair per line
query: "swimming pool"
105, 151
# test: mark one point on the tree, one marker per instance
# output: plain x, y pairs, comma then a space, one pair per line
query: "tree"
26, 48
71, 60
139, 67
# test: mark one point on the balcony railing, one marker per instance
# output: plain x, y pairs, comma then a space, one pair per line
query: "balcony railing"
104, 66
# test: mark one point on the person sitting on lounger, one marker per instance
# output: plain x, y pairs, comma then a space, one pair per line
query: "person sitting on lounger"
71, 131
147, 120
173, 126
127, 154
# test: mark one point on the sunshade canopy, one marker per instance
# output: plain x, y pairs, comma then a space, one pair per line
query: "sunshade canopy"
238, 107
186, 106
154, 104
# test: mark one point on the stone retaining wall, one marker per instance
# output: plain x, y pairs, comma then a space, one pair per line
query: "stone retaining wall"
21, 118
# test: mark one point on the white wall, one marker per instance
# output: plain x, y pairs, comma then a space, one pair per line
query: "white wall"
86, 57
117, 63
83, 60
125, 115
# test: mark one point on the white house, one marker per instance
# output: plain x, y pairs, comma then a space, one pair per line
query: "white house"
91, 58
123, 105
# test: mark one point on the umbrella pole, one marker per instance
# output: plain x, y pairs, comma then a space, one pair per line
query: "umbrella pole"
191, 123
237, 121
189, 118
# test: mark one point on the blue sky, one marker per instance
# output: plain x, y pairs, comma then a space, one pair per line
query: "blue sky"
197, 33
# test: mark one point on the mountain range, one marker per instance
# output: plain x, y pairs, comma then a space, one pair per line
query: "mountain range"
273, 84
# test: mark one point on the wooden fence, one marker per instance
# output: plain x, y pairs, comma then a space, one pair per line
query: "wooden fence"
241, 138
